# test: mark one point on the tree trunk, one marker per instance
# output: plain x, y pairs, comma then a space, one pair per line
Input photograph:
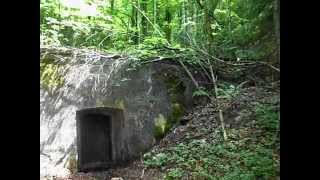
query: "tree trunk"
134, 22
168, 18
208, 7
144, 23
276, 16
112, 6
154, 12
207, 29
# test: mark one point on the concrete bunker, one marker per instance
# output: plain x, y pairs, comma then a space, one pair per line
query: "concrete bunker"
99, 138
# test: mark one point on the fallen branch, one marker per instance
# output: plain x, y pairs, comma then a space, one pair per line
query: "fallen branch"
214, 80
157, 59
189, 73
225, 137
244, 63
142, 174
269, 65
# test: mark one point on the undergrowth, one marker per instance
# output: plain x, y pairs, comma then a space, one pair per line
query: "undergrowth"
250, 153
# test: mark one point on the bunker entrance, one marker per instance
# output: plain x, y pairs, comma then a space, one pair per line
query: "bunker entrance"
94, 138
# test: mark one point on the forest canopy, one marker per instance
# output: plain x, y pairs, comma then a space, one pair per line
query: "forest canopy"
232, 30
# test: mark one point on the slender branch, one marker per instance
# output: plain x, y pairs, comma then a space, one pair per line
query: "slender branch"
225, 137
189, 73
269, 65
237, 64
214, 79
141, 12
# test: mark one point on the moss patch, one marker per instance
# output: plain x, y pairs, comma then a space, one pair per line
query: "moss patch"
72, 163
177, 111
51, 76
118, 103
176, 91
162, 126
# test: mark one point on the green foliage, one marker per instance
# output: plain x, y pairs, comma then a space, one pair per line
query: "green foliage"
205, 160
200, 92
227, 90
259, 162
247, 154
154, 42
175, 173
267, 117
241, 29
155, 160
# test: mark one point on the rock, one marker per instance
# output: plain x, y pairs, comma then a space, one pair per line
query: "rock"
92, 80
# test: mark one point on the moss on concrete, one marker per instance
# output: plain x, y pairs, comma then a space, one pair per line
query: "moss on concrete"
72, 162
117, 103
51, 76
161, 126
177, 111
176, 91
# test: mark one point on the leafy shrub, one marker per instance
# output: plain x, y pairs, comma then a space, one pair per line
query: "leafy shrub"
154, 42
156, 160
226, 160
200, 92
175, 173
267, 117
260, 162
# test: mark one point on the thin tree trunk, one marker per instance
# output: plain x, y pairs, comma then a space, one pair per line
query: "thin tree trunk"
144, 24
112, 6
276, 16
134, 22
154, 12
139, 23
209, 7
207, 29
168, 18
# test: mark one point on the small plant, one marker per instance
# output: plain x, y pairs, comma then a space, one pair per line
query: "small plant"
155, 160
259, 162
203, 159
267, 117
200, 92
229, 90
155, 42
175, 173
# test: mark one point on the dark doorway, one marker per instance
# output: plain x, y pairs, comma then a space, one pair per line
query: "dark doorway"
94, 140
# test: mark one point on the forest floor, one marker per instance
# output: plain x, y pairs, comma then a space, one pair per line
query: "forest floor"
196, 149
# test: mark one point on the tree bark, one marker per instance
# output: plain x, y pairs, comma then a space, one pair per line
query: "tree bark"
276, 16
112, 6
134, 22
168, 18
144, 24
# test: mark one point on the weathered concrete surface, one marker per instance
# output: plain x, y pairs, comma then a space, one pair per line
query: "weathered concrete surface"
98, 80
